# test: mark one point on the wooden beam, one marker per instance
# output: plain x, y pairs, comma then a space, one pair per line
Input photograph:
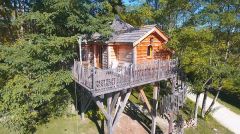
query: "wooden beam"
87, 104
117, 105
80, 49
154, 109
123, 104
134, 55
101, 107
114, 101
82, 103
145, 100
109, 121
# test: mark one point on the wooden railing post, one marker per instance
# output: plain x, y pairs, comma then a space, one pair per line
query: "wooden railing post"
136, 74
131, 74
78, 70
158, 69
93, 78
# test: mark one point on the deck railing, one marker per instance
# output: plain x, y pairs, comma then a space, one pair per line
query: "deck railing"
102, 81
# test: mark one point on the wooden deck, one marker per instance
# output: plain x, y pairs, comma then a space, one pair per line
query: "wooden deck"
103, 81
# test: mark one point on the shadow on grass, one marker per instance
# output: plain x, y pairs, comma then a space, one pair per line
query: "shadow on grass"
99, 124
92, 108
134, 113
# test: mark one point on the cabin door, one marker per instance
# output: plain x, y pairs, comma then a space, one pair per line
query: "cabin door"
100, 56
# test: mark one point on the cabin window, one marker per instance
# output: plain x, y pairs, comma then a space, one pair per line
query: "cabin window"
151, 40
149, 50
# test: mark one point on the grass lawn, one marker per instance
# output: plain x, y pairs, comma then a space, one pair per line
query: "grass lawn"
231, 107
74, 125
63, 125
208, 126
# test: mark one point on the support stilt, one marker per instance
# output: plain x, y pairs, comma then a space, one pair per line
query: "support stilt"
109, 121
145, 100
154, 109
85, 101
114, 101
122, 106
119, 100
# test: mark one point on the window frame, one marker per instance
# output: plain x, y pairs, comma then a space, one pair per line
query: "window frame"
149, 51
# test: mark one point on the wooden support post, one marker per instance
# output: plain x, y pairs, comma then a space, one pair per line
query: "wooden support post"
134, 55
82, 103
154, 109
101, 107
112, 120
114, 101
80, 49
123, 104
145, 100
109, 121
117, 106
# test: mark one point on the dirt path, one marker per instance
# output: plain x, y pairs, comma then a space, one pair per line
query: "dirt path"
127, 125
222, 114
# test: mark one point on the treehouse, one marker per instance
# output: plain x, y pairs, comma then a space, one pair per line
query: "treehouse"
127, 46
129, 59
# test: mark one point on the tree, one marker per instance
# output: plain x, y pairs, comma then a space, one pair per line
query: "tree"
221, 18
36, 66
195, 53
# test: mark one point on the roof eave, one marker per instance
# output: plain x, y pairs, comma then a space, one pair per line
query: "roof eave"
164, 37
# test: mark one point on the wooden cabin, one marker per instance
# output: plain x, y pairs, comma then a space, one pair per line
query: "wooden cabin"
128, 45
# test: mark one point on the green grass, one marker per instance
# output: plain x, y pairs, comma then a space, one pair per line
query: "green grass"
231, 107
63, 125
4, 130
133, 98
208, 126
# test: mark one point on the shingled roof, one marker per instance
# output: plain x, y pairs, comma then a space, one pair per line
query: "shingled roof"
131, 36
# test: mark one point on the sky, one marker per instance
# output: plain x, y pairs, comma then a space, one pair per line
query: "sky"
133, 2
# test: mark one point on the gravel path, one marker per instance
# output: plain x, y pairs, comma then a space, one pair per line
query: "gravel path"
223, 115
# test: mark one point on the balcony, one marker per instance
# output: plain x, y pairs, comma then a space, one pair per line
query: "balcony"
103, 81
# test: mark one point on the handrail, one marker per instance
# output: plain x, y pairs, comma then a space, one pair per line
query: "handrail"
101, 81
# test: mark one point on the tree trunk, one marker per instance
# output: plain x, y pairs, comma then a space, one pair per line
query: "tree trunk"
170, 127
196, 108
204, 103
227, 51
208, 81
213, 102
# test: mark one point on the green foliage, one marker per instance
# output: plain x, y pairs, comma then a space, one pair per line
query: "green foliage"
37, 82
25, 101
188, 107
35, 66
67, 18
197, 55
95, 114
140, 16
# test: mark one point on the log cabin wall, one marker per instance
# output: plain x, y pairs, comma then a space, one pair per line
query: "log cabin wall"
120, 54
112, 55
125, 54
158, 49
94, 53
